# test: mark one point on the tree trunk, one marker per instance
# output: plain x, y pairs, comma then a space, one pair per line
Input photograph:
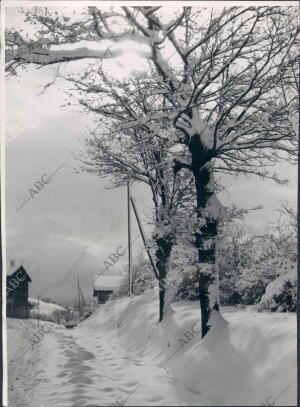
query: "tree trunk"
163, 254
171, 290
206, 233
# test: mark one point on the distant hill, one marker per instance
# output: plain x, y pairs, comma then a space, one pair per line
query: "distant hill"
46, 309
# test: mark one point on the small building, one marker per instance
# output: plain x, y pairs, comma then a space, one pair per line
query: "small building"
104, 286
17, 305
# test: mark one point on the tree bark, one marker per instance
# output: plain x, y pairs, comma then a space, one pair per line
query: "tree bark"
163, 254
206, 233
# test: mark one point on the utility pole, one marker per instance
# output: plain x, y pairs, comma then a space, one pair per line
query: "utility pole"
143, 237
78, 292
82, 297
38, 318
129, 238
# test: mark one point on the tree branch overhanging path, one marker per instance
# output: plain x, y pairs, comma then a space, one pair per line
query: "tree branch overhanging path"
222, 88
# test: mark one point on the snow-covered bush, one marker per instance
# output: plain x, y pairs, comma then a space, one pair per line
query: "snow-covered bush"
183, 269
249, 291
249, 262
281, 294
142, 279
235, 257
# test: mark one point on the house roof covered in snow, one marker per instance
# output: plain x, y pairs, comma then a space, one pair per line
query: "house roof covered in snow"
107, 283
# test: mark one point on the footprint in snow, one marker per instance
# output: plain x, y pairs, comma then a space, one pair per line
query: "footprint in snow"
107, 389
78, 400
70, 353
64, 384
81, 368
86, 355
131, 384
62, 374
154, 399
138, 364
79, 390
80, 378
72, 363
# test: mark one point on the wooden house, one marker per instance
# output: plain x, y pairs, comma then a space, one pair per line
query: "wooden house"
104, 286
17, 294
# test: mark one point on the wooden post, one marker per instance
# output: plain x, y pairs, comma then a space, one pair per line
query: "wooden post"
129, 238
143, 237
78, 292
38, 318
82, 297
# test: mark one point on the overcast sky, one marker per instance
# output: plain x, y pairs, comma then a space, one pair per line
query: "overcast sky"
74, 224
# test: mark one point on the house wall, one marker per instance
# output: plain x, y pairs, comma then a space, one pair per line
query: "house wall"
102, 296
17, 301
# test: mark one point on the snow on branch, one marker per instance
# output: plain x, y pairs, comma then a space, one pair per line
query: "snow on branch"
36, 53
234, 95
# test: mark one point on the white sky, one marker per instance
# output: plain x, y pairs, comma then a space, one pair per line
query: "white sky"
74, 224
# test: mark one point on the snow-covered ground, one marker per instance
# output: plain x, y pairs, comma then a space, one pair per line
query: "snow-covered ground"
22, 361
121, 356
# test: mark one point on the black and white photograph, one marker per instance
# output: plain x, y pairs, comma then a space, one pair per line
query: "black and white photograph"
149, 170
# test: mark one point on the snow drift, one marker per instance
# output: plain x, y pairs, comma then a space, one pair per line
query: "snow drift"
247, 358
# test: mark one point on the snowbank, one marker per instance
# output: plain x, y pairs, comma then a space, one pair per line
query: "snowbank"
246, 359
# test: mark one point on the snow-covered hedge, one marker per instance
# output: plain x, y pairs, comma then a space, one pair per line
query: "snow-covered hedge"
281, 294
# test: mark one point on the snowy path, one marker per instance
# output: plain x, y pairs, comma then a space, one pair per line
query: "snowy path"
120, 356
21, 362
74, 370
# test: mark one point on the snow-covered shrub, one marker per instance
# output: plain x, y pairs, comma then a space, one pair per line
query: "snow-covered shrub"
250, 292
234, 256
281, 294
142, 279
249, 262
229, 294
184, 265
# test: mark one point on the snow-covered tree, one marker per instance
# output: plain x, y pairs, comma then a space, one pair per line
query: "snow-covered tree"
229, 81
134, 155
